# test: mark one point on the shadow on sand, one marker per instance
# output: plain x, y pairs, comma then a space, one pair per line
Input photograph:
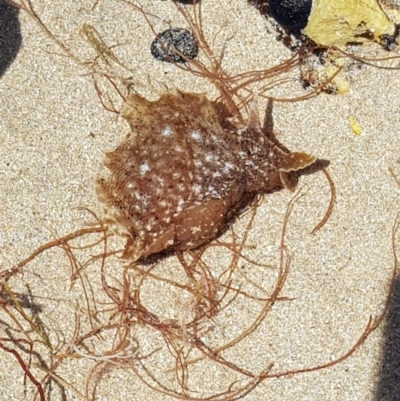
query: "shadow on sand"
388, 388
10, 35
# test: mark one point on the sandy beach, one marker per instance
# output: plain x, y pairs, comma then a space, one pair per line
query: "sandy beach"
54, 133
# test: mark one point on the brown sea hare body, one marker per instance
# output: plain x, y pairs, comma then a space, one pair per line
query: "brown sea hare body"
185, 172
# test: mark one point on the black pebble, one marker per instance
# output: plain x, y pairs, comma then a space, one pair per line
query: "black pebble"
291, 14
162, 48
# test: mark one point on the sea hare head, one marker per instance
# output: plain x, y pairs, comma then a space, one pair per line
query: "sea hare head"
184, 172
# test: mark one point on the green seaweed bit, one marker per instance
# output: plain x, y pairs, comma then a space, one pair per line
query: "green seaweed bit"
91, 34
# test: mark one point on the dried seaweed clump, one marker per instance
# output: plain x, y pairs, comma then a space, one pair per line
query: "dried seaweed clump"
185, 172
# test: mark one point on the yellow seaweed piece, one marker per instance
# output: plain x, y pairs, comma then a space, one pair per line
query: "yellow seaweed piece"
354, 125
341, 86
338, 22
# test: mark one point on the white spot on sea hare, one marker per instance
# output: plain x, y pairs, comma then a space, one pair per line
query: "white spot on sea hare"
166, 131
196, 135
144, 168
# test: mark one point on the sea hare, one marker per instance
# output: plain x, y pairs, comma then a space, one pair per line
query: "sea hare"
186, 171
